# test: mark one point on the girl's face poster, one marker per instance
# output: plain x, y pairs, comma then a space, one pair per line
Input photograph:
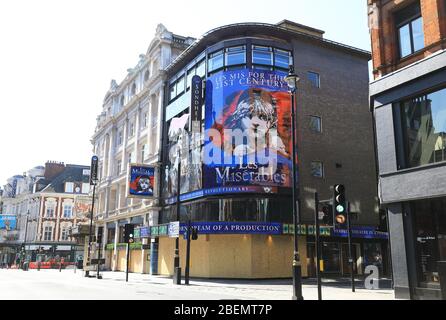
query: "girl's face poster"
247, 130
141, 181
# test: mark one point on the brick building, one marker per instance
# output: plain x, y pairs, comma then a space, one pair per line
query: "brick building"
237, 63
408, 101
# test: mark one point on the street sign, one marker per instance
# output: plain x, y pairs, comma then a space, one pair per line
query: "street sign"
174, 229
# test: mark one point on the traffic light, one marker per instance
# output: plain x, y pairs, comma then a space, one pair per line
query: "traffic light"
339, 207
327, 209
194, 233
128, 233
99, 237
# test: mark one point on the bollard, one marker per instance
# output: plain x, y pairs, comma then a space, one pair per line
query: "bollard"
38, 266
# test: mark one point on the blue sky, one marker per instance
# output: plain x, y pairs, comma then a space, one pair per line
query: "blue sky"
58, 58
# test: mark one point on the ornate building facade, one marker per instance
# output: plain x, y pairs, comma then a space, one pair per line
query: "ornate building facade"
129, 131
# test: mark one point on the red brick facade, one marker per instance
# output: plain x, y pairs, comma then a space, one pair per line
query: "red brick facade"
384, 34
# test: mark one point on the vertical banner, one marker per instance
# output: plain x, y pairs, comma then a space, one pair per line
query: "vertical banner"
141, 181
94, 170
196, 104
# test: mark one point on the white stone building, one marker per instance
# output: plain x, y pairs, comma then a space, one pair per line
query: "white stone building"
129, 131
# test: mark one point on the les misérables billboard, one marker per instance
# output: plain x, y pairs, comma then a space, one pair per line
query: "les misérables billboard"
141, 181
247, 141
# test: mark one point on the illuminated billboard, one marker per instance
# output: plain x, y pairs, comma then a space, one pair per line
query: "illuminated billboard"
247, 141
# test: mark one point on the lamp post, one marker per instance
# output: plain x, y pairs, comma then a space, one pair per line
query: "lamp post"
292, 80
176, 260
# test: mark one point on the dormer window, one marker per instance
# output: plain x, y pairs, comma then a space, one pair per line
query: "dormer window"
69, 187
409, 24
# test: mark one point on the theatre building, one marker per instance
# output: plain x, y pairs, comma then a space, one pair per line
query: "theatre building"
408, 102
236, 151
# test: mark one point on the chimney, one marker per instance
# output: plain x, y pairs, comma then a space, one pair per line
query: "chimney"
53, 169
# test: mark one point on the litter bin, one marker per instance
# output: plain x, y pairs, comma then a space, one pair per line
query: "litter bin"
442, 274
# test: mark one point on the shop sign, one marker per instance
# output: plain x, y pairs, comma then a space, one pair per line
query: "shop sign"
137, 233
174, 229
235, 228
154, 231
163, 230
145, 232
361, 232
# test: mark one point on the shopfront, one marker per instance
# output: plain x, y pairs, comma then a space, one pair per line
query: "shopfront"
430, 235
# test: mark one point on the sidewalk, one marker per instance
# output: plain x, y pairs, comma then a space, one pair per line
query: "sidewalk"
276, 289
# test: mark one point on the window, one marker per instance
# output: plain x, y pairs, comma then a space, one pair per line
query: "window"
130, 158
172, 92
315, 124
409, 24
317, 169
85, 188
50, 212
146, 75
120, 137
235, 56
131, 129
64, 236
189, 77
429, 220
133, 89
282, 59
176, 88
215, 61
48, 233
69, 187
67, 211
144, 120
180, 85
144, 152
201, 68
314, 79
122, 100
262, 55
119, 167
423, 122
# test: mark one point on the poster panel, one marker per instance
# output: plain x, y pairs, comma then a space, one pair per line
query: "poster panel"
247, 140
141, 181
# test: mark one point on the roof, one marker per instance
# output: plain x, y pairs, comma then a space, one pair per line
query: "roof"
72, 173
286, 30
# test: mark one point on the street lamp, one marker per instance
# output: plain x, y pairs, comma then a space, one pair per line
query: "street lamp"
292, 80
